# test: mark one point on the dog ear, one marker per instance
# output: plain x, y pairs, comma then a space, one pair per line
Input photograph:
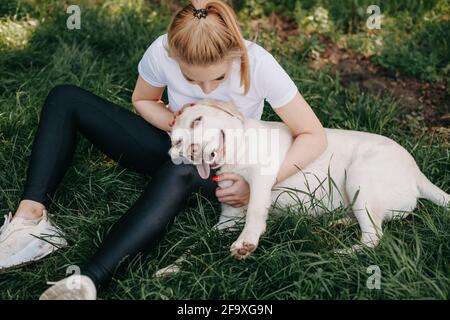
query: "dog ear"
228, 107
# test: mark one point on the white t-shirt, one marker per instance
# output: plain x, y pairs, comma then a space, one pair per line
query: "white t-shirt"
268, 80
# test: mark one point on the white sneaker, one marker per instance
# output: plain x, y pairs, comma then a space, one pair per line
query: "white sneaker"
23, 240
75, 287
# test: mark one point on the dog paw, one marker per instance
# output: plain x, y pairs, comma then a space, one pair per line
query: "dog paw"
241, 249
244, 245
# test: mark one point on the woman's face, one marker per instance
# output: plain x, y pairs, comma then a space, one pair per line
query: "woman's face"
207, 78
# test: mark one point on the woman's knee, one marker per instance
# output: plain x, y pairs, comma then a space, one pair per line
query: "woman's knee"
61, 96
189, 176
183, 171
62, 92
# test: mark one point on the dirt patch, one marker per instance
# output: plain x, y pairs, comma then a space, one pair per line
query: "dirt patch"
282, 27
430, 100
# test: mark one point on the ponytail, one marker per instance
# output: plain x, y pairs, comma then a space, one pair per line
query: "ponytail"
209, 40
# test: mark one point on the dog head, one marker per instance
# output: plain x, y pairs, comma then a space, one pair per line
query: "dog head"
198, 135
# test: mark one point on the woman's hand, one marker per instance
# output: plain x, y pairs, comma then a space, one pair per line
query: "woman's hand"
237, 194
177, 113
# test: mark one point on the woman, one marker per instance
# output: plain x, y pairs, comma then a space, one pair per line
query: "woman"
203, 56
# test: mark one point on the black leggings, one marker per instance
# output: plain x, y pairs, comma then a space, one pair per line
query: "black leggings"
131, 141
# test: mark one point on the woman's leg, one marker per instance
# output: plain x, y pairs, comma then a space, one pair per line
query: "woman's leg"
128, 139
119, 133
144, 224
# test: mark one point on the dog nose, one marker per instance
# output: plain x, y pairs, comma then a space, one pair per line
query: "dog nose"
195, 148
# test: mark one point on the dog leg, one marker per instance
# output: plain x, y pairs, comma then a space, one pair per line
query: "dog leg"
370, 220
229, 217
255, 221
227, 221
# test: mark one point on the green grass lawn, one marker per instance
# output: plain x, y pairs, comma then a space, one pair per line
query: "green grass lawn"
295, 258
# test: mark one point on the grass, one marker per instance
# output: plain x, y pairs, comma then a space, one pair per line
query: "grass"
295, 259
412, 40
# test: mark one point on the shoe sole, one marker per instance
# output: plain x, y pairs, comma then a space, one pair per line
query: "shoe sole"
17, 266
34, 260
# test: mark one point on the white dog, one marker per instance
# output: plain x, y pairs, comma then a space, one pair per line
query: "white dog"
371, 173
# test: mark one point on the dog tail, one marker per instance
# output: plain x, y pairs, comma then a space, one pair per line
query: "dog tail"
431, 192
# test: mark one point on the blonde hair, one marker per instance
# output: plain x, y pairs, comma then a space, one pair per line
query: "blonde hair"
209, 40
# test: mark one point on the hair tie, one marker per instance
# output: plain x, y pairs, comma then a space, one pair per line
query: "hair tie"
200, 13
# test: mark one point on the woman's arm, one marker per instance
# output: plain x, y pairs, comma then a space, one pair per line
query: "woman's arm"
310, 141
310, 138
146, 100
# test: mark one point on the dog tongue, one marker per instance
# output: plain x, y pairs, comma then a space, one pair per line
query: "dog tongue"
203, 170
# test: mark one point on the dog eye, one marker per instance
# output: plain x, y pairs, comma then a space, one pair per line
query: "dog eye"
213, 154
177, 142
196, 122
